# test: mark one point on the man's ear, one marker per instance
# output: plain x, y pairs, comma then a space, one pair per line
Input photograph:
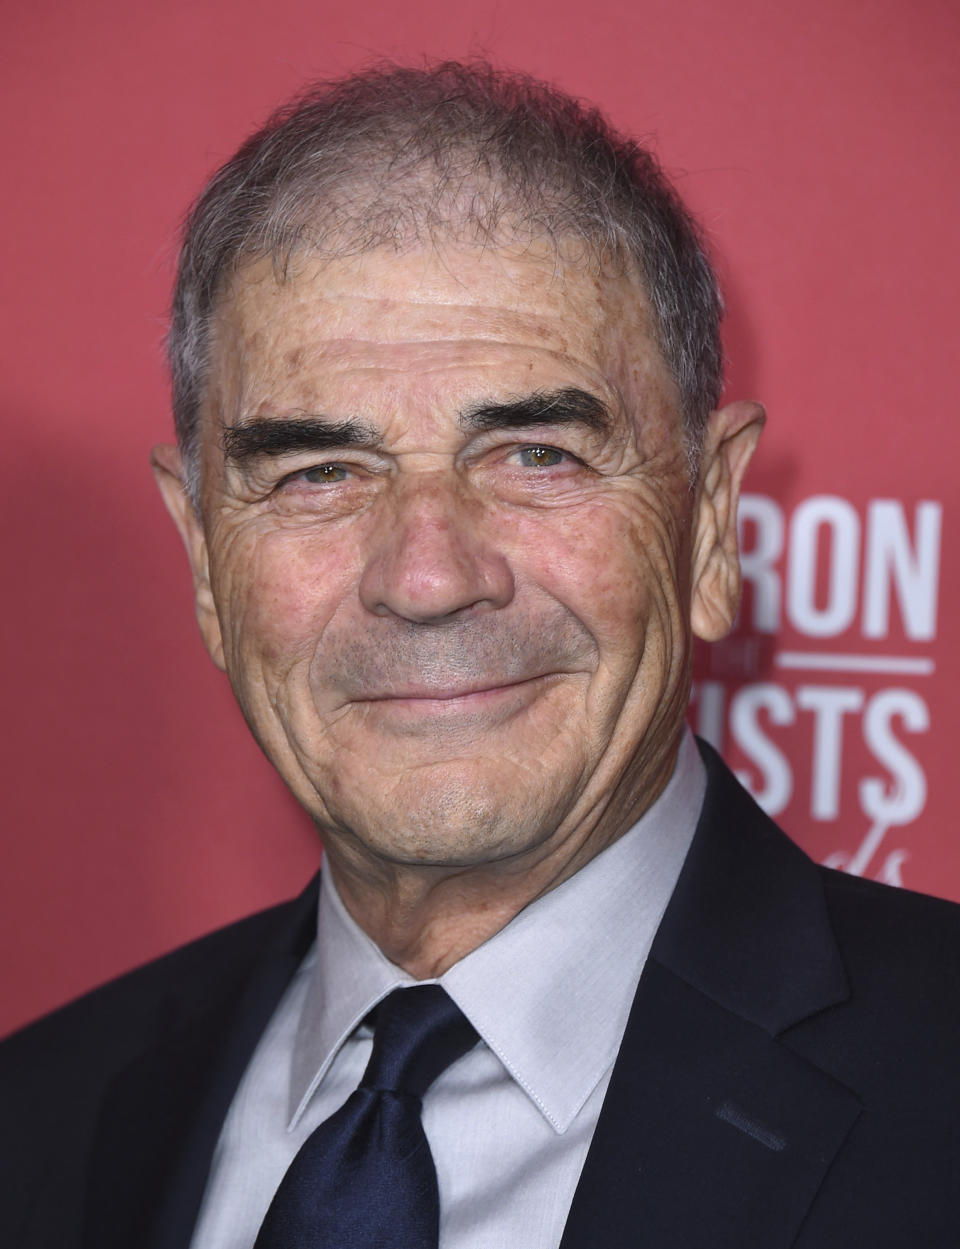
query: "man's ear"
729, 443
167, 465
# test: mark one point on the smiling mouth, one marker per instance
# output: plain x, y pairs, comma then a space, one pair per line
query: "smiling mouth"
432, 698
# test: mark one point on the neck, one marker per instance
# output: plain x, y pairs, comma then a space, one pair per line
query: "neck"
426, 918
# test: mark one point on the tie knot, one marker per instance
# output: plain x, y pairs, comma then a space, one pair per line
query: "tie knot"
417, 1034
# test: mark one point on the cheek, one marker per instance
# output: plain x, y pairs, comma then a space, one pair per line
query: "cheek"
277, 594
614, 567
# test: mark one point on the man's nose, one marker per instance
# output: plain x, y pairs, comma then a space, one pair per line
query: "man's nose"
431, 554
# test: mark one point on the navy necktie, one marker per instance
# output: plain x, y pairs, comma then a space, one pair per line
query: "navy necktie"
365, 1178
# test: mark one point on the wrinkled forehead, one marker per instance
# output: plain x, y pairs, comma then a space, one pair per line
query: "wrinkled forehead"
540, 316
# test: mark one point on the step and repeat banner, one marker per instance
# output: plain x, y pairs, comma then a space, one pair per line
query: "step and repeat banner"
825, 697
816, 142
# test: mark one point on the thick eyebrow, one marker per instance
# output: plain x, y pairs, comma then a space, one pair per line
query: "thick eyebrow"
263, 436
570, 406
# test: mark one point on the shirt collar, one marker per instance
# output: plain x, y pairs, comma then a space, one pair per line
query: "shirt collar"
572, 960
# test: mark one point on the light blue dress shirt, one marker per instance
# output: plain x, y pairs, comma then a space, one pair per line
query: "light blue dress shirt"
510, 1123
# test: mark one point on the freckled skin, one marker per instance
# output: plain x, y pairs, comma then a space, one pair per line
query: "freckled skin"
468, 660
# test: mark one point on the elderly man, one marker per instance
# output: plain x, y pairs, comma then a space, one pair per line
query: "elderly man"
457, 494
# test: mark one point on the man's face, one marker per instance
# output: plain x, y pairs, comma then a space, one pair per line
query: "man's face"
447, 548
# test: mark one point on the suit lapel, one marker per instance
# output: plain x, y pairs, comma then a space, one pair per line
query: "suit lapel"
162, 1115
713, 1132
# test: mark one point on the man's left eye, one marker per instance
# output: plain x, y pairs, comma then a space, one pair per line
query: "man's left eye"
540, 457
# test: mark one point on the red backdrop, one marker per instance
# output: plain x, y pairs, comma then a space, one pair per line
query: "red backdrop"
817, 141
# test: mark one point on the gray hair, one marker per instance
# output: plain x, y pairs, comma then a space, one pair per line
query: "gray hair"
394, 156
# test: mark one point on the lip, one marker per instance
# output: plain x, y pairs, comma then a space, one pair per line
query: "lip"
430, 699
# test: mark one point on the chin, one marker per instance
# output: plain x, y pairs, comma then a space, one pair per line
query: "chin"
449, 820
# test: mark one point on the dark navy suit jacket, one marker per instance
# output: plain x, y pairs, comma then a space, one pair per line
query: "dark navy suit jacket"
789, 1076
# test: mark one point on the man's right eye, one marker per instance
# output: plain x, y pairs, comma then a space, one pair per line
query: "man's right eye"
324, 474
